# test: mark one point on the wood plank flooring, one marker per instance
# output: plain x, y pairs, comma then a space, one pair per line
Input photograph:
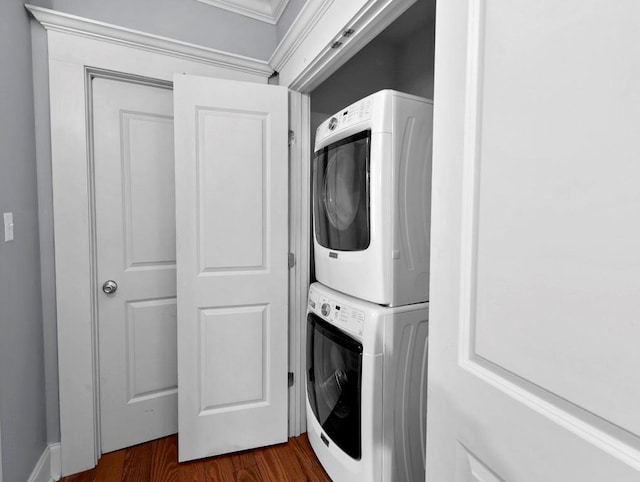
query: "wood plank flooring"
157, 461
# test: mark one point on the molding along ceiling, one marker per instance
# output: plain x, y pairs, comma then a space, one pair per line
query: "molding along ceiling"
265, 10
72, 24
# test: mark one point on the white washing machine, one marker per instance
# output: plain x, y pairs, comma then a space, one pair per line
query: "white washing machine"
366, 387
372, 199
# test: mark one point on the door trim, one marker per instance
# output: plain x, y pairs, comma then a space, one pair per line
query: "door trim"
299, 228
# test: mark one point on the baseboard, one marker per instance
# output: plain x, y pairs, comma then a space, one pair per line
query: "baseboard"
56, 461
48, 467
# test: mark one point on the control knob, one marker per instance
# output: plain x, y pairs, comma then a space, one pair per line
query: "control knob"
325, 309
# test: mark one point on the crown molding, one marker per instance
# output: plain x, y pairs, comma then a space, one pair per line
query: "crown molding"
72, 24
268, 11
307, 18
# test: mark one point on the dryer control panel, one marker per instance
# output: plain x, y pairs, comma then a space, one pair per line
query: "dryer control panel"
344, 317
354, 114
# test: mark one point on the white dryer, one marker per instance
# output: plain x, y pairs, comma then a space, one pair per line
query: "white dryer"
372, 199
366, 387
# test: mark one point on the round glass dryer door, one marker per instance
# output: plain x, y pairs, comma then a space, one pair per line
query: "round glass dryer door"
341, 194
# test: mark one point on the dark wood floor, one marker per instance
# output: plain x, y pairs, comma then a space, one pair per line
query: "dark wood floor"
157, 461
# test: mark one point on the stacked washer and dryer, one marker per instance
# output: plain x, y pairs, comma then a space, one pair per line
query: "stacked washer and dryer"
367, 316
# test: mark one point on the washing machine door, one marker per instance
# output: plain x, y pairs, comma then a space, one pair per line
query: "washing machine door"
341, 193
334, 381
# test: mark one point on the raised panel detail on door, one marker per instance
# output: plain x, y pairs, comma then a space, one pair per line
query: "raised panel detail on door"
232, 214
535, 201
135, 246
148, 193
151, 354
237, 336
471, 469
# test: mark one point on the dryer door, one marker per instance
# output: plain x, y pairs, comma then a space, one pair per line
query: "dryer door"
334, 381
341, 193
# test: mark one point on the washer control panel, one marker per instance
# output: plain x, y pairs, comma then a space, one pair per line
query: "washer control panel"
343, 316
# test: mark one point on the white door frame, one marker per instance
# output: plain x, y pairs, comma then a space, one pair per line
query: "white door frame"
79, 48
299, 225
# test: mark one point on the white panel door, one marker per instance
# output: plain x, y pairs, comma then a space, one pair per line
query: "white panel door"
232, 240
534, 370
135, 236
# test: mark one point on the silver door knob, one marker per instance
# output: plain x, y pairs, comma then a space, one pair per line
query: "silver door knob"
109, 287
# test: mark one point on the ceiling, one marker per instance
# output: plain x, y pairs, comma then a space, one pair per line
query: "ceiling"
264, 10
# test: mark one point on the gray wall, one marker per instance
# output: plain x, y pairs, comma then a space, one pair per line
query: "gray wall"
372, 69
187, 20
400, 58
288, 16
22, 387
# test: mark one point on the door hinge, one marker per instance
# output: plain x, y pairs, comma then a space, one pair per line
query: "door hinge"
292, 138
292, 260
290, 377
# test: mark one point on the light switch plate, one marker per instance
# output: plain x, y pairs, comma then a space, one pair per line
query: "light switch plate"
8, 226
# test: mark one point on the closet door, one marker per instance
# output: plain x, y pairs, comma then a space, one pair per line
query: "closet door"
232, 276
535, 280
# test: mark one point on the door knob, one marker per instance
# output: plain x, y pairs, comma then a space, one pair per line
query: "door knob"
109, 287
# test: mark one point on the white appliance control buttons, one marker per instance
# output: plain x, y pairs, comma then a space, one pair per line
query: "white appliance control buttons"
349, 319
343, 316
